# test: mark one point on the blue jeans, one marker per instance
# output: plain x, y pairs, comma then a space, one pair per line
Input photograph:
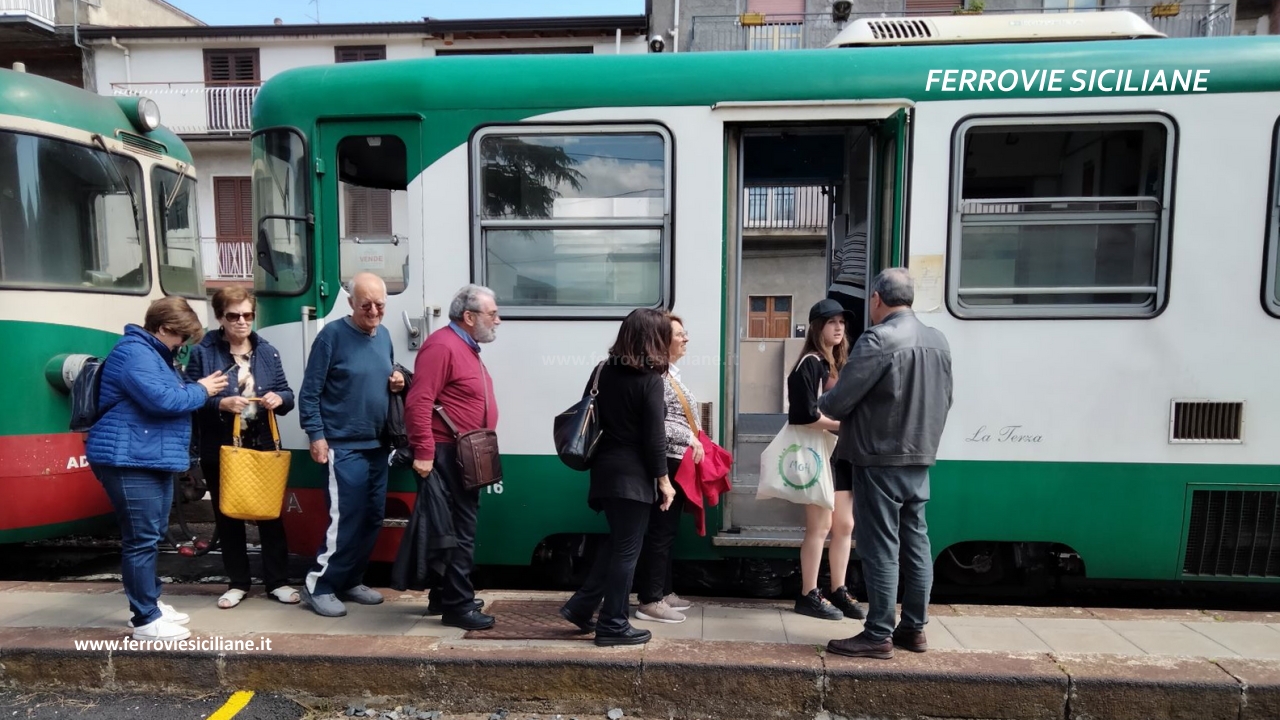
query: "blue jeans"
141, 499
893, 537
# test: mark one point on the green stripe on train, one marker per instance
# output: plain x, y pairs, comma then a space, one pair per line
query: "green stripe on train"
1124, 519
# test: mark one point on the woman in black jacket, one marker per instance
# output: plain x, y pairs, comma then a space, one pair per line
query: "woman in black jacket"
254, 369
628, 473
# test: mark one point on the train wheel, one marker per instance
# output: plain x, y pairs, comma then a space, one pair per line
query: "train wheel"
973, 564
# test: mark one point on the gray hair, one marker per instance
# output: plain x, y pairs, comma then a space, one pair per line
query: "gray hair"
895, 288
468, 298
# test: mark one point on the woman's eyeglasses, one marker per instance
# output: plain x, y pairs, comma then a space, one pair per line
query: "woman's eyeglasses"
236, 317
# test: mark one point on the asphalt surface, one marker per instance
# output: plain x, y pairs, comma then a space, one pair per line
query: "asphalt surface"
114, 706
64, 706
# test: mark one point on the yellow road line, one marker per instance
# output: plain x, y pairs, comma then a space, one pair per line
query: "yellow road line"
234, 704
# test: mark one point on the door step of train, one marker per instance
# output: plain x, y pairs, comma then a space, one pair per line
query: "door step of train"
757, 536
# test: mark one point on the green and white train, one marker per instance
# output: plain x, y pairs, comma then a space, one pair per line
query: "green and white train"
97, 219
1089, 210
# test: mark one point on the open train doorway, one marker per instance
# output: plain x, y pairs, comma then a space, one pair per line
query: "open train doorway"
815, 211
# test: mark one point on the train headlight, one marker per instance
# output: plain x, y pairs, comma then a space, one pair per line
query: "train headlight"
148, 114
144, 113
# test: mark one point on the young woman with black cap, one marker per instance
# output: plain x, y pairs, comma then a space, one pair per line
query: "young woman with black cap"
826, 349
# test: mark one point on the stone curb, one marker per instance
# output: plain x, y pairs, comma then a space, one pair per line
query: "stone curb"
667, 678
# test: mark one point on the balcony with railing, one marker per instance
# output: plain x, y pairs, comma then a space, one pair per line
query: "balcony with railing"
793, 32
38, 12
788, 211
198, 108
227, 260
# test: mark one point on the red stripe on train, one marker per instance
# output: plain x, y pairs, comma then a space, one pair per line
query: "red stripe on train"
44, 479
306, 518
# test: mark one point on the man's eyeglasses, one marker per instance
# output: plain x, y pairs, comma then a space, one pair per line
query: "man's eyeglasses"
379, 306
236, 317
492, 314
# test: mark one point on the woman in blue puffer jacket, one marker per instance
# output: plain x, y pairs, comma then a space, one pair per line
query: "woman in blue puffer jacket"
141, 438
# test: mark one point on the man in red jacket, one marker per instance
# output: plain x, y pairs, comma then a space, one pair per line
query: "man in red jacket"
449, 374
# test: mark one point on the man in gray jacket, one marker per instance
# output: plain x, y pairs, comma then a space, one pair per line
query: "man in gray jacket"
892, 401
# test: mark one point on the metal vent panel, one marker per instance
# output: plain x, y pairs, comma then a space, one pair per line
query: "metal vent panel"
141, 144
900, 29
1233, 534
1206, 421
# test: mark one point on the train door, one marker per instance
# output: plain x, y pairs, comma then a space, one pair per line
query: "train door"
367, 221
817, 210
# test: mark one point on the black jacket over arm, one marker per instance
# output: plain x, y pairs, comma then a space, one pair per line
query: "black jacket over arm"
632, 453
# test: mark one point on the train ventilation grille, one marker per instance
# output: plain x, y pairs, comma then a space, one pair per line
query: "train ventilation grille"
1206, 421
1233, 534
899, 29
143, 145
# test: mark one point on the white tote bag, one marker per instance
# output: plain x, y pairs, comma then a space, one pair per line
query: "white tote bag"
796, 467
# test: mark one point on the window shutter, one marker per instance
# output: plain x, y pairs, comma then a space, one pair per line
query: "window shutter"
380, 212
368, 211
233, 209
776, 7
934, 7
231, 66
359, 53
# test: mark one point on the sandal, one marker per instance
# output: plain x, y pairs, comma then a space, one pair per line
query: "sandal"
231, 598
286, 595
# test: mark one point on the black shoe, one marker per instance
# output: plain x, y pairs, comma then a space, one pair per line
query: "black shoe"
470, 620
435, 608
816, 606
586, 625
841, 598
631, 637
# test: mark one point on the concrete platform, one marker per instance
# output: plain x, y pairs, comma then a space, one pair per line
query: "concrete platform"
731, 659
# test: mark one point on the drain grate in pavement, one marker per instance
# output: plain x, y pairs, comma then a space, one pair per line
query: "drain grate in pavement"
527, 620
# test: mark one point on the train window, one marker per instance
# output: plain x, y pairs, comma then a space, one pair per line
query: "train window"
1060, 217
573, 222
279, 160
373, 210
177, 229
1271, 291
71, 217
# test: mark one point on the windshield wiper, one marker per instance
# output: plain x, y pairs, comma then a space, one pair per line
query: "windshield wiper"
111, 163
173, 196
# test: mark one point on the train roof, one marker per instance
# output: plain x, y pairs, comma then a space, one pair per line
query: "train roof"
40, 98
519, 85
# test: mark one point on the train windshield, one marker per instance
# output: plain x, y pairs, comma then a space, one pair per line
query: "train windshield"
280, 211
70, 217
177, 229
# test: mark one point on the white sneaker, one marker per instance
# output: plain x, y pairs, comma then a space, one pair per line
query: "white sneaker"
170, 615
659, 612
161, 630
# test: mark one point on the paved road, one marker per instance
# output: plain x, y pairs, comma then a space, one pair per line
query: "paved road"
112, 706
70, 706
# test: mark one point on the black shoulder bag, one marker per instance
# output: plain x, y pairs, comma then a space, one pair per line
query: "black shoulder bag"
577, 430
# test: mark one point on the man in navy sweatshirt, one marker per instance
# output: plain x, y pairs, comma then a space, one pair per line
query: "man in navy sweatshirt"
343, 406
449, 374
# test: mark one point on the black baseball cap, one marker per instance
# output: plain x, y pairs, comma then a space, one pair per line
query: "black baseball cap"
828, 309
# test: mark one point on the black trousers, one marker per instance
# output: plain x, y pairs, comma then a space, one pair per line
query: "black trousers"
653, 574
231, 538
456, 590
608, 586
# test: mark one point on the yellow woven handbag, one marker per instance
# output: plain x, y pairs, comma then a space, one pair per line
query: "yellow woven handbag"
253, 481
